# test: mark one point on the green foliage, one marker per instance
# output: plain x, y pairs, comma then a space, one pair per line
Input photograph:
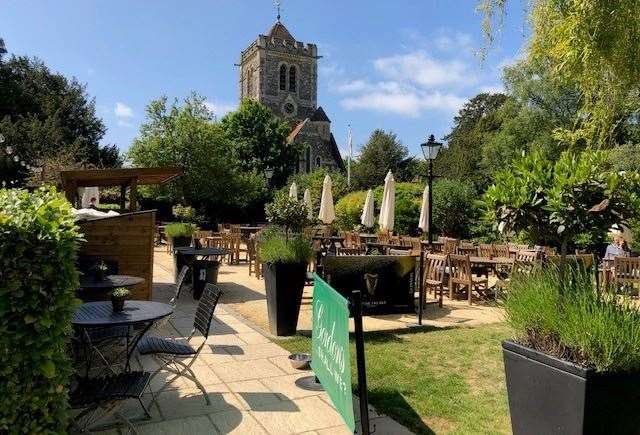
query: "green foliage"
276, 247
44, 115
454, 208
474, 125
186, 136
349, 210
184, 213
553, 202
38, 245
625, 157
120, 292
258, 139
382, 152
180, 229
313, 181
287, 212
107, 207
594, 45
570, 320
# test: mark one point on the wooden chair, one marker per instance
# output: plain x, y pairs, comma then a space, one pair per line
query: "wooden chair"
501, 251
485, 250
450, 246
467, 248
416, 245
460, 276
200, 238
398, 251
383, 237
356, 240
253, 258
523, 264
626, 271
348, 251
434, 274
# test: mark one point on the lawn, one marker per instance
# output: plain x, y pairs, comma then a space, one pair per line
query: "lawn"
435, 381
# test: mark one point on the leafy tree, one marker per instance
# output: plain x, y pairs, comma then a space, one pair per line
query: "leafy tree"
453, 208
474, 125
555, 202
185, 136
382, 152
594, 45
43, 114
288, 213
258, 139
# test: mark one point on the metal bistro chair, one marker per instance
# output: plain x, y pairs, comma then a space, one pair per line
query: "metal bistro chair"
460, 276
434, 274
170, 353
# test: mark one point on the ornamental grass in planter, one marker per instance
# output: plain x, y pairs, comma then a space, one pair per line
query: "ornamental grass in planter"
573, 366
180, 233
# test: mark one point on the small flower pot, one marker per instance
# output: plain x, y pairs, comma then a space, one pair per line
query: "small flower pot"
99, 274
117, 303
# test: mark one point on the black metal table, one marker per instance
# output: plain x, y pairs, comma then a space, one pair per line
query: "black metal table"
94, 290
95, 315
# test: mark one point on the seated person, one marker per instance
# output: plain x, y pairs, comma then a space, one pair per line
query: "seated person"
617, 248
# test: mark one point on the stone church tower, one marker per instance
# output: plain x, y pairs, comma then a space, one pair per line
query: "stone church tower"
282, 74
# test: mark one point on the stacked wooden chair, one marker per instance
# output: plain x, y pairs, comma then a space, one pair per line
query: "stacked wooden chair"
461, 277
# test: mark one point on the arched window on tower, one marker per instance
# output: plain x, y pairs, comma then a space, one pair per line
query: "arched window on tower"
283, 77
292, 78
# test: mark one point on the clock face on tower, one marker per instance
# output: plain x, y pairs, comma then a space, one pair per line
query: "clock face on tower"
289, 108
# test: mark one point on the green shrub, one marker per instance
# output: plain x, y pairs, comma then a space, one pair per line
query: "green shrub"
573, 322
287, 213
184, 213
180, 229
349, 210
454, 208
107, 207
277, 248
38, 280
313, 181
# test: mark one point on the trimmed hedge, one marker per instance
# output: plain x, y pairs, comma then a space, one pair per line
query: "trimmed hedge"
38, 280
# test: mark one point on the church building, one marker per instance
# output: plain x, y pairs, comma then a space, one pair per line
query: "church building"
282, 74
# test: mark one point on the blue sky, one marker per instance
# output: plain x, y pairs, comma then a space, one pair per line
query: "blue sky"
402, 65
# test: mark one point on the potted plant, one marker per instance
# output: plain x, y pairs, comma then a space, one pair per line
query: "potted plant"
180, 233
285, 258
118, 296
100, 270
573, 366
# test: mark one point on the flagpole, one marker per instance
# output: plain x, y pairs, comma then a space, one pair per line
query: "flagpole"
350, 143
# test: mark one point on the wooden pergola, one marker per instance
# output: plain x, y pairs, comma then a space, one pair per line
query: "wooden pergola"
123, 177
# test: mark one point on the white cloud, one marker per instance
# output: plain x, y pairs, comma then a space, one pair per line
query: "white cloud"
420, 68
403, 102
220, 109
125, 123
123, 111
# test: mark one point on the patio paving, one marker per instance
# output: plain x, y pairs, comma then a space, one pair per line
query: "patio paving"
247, 377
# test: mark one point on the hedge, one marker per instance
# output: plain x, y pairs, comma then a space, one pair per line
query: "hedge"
453, 207
38, 279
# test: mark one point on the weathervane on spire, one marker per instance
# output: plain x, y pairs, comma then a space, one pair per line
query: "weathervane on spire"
277, 4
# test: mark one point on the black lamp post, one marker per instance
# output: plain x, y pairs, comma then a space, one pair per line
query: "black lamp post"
430, 150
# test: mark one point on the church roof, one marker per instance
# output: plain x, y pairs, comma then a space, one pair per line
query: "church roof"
320, 115
335, 152
279, 31
294, 133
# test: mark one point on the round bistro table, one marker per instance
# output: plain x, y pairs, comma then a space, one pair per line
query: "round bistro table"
100, 315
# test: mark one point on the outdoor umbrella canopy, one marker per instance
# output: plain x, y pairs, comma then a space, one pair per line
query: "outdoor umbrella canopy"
307, 203
367, 218
387, 209
423, 223
293, 190
327, 213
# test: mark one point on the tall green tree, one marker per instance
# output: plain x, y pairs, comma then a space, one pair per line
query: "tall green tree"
476, 123
593, 45
382, 152
44, 114
186, 136
259, 139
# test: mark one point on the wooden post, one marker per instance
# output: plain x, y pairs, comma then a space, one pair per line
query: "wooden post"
70, 191
123, 197
133, 194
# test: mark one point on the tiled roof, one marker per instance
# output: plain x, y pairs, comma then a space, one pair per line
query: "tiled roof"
320, 115
335, 152
279, 31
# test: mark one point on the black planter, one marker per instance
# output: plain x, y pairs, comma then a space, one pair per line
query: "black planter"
117, 304
204, 272
548, 395
284, 284
181, 241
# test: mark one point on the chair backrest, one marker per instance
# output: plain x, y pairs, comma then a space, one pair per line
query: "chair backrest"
485, 250
460, 267
626, 269
467, 248
200, 238
519, 247
398, 251
179, 284
501, 251
527, 255
348, 251
383, 237
450, 246
235, 229
206, 307
356, 240
434, 267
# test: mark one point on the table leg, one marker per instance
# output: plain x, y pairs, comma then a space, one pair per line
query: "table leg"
134, 343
